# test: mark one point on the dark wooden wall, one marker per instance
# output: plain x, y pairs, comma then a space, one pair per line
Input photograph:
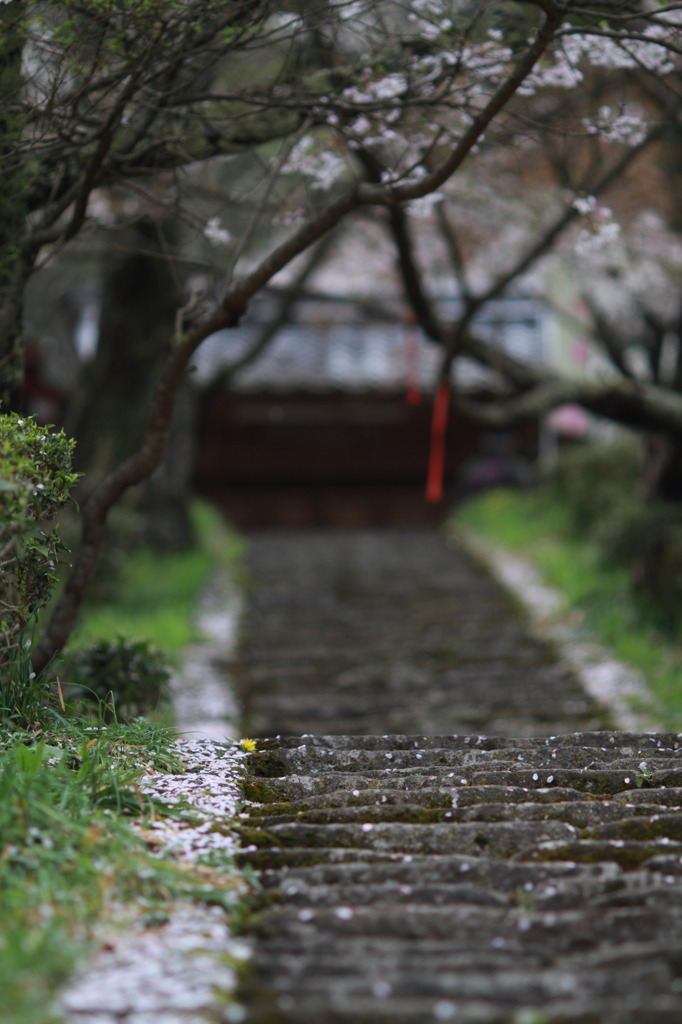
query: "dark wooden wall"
328, 459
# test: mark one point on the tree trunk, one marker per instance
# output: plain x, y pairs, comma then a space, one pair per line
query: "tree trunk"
137, 318
12, 213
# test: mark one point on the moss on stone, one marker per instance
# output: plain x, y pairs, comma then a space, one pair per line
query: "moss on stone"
267, 766
267, 860
269, 809
256, 836
628, 856
259, 792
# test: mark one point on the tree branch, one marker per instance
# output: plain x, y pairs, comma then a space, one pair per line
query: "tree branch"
631, 403
268, 332
456, 342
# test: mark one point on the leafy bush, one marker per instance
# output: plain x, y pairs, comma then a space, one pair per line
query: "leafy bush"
601, 489
35, 480
652, 544
599, 485
131, 675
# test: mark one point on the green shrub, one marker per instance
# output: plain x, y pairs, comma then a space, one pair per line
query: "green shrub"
599, 485
653, 544
127, 677
601, 489
35, 480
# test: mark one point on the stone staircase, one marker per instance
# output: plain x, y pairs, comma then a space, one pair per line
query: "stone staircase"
392, 631
529, 876
481, 880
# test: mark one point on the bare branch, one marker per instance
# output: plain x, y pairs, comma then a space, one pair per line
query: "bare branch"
265, 336
449, 234
631, 403
456, 340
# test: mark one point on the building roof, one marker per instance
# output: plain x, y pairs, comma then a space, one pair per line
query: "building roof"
332, 347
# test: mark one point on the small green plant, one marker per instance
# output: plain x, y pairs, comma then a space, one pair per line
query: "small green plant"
643, 775
27, 699
35, 481
123, 677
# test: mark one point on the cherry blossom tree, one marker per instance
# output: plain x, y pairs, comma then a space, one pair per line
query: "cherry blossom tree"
341, 105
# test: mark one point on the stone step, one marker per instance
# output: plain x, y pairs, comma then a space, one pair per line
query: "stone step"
497, 839
443, 796
475, 928
288, 1009
383, 955
630, 854
466, 975
633, 744
307, 758
605, 783
452, 831
629, 889
505, 877
582, 814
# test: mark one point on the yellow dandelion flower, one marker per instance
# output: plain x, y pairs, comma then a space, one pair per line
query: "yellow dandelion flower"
248, 745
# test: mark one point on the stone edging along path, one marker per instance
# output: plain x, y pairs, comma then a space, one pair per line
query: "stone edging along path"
181, 968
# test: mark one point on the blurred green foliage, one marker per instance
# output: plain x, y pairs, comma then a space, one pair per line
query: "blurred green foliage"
123, 677
35, 481
143, 592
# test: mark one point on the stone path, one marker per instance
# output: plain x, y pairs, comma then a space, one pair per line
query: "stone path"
384, 631
417, 870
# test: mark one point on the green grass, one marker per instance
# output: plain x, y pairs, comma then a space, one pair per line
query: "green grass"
68, 855
155, 594
539, 527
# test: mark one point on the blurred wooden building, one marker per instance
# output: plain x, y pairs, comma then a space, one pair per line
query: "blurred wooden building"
331, 424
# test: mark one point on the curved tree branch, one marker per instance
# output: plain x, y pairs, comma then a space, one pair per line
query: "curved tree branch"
631, 403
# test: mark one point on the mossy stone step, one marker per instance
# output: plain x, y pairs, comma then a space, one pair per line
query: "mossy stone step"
469, 928
481, 885
630, 854
579, 813
308, 760
496, 839
604, 782
432, 796
627, 889
500, 876
631, 744
662, 1009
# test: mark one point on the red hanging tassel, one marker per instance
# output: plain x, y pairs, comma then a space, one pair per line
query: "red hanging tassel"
439, 422
411, 347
